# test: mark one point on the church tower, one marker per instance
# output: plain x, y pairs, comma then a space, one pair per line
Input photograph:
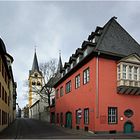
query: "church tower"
36, 82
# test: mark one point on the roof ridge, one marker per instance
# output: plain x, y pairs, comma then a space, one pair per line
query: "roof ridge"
105, 29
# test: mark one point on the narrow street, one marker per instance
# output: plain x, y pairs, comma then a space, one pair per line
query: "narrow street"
35, 129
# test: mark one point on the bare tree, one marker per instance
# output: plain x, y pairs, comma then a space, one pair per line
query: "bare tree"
48, 70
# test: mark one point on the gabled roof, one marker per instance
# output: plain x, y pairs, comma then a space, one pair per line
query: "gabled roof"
133, 58
35, 66
115, 39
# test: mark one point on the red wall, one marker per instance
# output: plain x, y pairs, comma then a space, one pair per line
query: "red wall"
108, 97
85, 97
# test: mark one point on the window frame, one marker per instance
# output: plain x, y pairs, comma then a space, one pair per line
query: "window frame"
86, 76
135, 73
57, 93
68, 87
77, 81
86, 116
77, 118
112, 117
61, 91
124, 71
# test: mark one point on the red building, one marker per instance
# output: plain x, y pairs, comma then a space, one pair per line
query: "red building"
99, 88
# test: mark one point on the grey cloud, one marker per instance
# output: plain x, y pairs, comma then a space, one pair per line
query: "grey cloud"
54, 26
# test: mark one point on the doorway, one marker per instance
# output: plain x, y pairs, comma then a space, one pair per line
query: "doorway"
69, 120
128, 127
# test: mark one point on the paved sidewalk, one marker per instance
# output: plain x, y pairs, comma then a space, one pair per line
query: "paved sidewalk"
92, 135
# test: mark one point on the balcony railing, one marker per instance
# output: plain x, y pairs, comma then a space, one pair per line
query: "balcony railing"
130, 87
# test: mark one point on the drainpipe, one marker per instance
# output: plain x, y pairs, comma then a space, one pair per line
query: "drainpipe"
97, 86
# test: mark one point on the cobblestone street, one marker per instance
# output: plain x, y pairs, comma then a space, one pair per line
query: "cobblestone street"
35, 129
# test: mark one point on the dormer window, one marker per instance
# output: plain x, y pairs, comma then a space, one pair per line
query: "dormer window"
71, 66
93, 40
62, 74
66, 70
78, 59
85, 53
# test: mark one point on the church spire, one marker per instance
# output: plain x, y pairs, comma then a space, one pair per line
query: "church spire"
59, 63
35, 66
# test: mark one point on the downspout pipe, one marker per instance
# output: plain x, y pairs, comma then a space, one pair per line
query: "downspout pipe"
97, 85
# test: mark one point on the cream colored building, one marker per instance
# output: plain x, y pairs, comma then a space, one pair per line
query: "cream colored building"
37, 100
7, 88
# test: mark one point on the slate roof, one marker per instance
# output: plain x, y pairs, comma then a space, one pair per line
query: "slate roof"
115, 39
111, 41
35, 66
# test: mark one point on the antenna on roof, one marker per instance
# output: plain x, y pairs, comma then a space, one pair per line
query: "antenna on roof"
59, 53
35, 48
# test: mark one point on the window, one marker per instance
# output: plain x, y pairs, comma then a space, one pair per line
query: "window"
62, 74
68, 87
93, 40
56, 92
36, 75
5, 97
71, 66
77, 81
135, 73
0, 89
130, 72
8, 100
128, 113
85, 53
112, 115
38, 83
77, 117
2, 93
124, 71
61, 91
86, 76
33, 83
78, 59
86, 116
119, 72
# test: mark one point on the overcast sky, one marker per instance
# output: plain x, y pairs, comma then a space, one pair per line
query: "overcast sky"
54, 26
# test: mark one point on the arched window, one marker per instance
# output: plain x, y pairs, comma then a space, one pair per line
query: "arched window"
33, 83
38, 83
